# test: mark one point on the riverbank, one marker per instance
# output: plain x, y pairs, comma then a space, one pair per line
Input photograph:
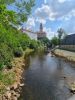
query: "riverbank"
68, 55
10, 85
11, 79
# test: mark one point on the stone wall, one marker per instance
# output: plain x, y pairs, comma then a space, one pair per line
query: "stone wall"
68, 47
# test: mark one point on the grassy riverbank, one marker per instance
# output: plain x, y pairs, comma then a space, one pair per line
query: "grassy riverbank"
68, 55
11, 78
6, 78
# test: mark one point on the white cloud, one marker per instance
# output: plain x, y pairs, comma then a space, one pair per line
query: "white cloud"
49, 32
72, 13
41, 20
61, 8
68, 16
62, 11
61, 1
45, 12
30, 22
56, 10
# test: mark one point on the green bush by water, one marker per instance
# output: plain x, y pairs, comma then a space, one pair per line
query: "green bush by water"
13, 42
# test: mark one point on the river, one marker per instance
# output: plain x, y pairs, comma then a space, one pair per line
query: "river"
46, 78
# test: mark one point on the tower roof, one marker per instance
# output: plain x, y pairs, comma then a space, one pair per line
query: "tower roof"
41, 27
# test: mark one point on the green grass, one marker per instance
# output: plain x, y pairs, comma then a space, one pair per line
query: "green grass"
28, 52
6, 79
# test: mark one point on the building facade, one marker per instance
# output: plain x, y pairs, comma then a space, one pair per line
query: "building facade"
41, 34
68, 42
30, 33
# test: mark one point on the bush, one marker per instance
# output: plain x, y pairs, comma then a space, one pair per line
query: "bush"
5, 53
12, 41
1, 66
18, 52
28, 52
9, 65
33, 44
24, 40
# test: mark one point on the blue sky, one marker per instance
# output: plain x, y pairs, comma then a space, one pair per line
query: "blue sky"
53, 14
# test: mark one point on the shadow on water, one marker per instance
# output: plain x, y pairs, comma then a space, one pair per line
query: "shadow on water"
43, 78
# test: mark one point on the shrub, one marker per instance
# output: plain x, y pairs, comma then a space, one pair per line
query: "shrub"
33, 44
28, 52
18, 52
9, 65
5, 53
1, 66
23, 40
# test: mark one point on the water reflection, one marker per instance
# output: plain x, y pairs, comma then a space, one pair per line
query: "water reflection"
43, 78
27, 62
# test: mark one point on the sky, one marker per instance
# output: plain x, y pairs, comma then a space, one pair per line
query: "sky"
53, 14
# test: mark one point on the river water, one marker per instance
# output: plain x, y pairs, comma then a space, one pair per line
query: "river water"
46, 78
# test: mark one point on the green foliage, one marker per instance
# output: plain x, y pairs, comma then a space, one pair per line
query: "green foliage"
13, 42
6, 1
61, 34
5, 53
1, 66
46, 42
6, 79
33, 44
24, 9
28, 51
18, 52
9, 65
55, 41
24, 40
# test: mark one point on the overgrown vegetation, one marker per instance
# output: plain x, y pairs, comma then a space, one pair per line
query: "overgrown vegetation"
13, 42
55, 41
46, 42
5, 80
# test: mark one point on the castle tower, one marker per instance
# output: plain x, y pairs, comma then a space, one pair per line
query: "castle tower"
41, 27
41, 34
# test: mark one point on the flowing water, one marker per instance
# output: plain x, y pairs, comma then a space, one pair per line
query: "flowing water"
46, 78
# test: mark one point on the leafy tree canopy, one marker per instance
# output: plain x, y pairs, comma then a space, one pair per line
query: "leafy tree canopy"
24, 9
55, 41
12, 41
22, 12
6, 1
46, 42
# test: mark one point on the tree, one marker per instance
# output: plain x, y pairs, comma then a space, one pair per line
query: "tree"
60, 34
24, 9
46, 42
33, 44
12, 41
6, 1
6, 16
55, 41
22, 12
